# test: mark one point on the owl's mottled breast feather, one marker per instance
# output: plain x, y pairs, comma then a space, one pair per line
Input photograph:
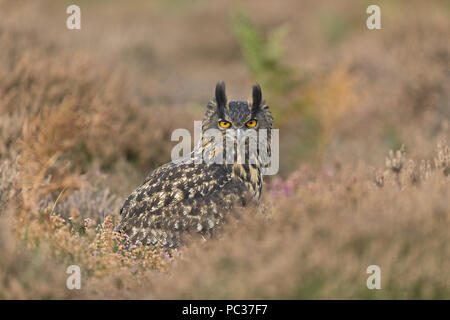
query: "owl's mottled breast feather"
178, 198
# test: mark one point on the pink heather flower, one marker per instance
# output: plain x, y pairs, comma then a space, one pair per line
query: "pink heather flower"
328, 171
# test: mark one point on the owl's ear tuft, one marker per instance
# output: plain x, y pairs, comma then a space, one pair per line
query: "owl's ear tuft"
221, 98
257, 98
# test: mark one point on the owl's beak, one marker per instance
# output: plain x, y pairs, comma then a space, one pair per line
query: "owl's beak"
240, 135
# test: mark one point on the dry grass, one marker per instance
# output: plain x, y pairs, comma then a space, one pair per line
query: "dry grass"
83, 117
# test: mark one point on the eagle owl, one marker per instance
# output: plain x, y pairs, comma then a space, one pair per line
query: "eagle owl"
195, 196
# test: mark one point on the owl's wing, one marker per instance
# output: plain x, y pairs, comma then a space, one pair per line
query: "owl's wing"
189, 158
179, 198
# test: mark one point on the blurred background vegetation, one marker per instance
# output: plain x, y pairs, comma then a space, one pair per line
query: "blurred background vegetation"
86, 114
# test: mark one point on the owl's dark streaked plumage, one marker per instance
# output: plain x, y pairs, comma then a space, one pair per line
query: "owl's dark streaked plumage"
179, 198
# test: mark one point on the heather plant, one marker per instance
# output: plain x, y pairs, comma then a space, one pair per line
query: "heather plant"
323, 234
8, 177
44, 174
92, 204
442, 160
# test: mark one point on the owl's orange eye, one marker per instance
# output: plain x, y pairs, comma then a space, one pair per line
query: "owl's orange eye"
224, 124
251, 123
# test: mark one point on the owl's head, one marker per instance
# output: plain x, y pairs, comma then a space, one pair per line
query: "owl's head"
223, 114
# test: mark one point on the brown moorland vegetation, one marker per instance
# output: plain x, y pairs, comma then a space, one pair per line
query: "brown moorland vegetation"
364, 146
